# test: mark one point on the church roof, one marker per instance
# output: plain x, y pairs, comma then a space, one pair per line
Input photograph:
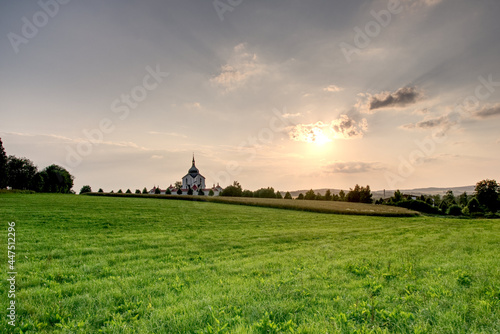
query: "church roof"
193, 171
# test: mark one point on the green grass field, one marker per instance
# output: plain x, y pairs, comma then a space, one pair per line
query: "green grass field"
134, 265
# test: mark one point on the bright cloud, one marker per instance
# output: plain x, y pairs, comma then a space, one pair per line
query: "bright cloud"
333, 89
342, 128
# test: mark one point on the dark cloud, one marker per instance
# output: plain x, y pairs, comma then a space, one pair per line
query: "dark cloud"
443, 121
400, 98
351, 167
488, 111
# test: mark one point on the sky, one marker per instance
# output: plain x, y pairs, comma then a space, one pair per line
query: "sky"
285, 94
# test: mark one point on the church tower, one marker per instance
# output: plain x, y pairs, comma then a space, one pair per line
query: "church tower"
193, 179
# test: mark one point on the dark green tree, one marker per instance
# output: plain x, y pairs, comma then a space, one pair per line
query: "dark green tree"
288, 195
473, 206
3, 167
57, 180
137, 191
190, 191
211, 193
278, 195
85, 189
145, 190
168, 192
354, 195
342, 195
486, 193
21, 172
265, 193
463, 199
310, 195
328, 195
365, 195
301, 196
179, 191
398, 197
128, 191
449, 198
247, 193
201, 192
100, 190
234, 190
178, 185
120, 191
157, 191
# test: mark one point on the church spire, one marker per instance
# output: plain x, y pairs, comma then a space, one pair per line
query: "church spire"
193, 158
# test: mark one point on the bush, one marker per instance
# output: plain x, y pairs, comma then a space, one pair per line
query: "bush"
100, 190
168, 192
454, 210
137, 191
120, 191
474, 206
419, 206
128, 191
211, 193
158, 191
85, 189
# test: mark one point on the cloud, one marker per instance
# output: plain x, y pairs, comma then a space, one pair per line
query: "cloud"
239, 68
333, 89
488, 111
157, 156
428, 124
173, 134
288, 115
195, 105
351, 167
401, 98
342, 128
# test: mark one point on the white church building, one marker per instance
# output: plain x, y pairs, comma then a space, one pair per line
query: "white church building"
193, 183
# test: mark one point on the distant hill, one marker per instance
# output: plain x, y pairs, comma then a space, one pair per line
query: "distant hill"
388, 193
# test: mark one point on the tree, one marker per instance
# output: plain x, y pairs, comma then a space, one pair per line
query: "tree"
178, 185
21, 172
137, 191
157, 191
278, 195
265, 193
3, 167
128, 191
328, 195
463, 199
288, 195
201, 192
168, 192
486, 192
247, 193
310, 195
100, 190
354, 195
145, 190
319, 197
179, 191
190, 191
233, 191
443, 207
398, 197
473, 206
111, 192
120, 191
301, 196
449, 198
38, 181
454, 210
366, 195
85, 189
57, 180
342, 195
211, 193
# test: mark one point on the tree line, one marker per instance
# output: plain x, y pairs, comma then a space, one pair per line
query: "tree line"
484, 201
358, 194
22, 174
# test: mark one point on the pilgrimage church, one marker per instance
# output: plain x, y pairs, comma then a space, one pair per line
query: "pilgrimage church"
193, 181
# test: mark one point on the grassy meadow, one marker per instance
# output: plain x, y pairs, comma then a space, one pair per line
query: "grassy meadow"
90, 264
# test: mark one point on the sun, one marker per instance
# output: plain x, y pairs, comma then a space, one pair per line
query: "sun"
319, 137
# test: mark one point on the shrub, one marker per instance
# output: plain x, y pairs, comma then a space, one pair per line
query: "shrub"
474, 206
128, 191
157, 191
211, 193
418, 205
168, 192
100, 190
137, 191
454, 210
85, 189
